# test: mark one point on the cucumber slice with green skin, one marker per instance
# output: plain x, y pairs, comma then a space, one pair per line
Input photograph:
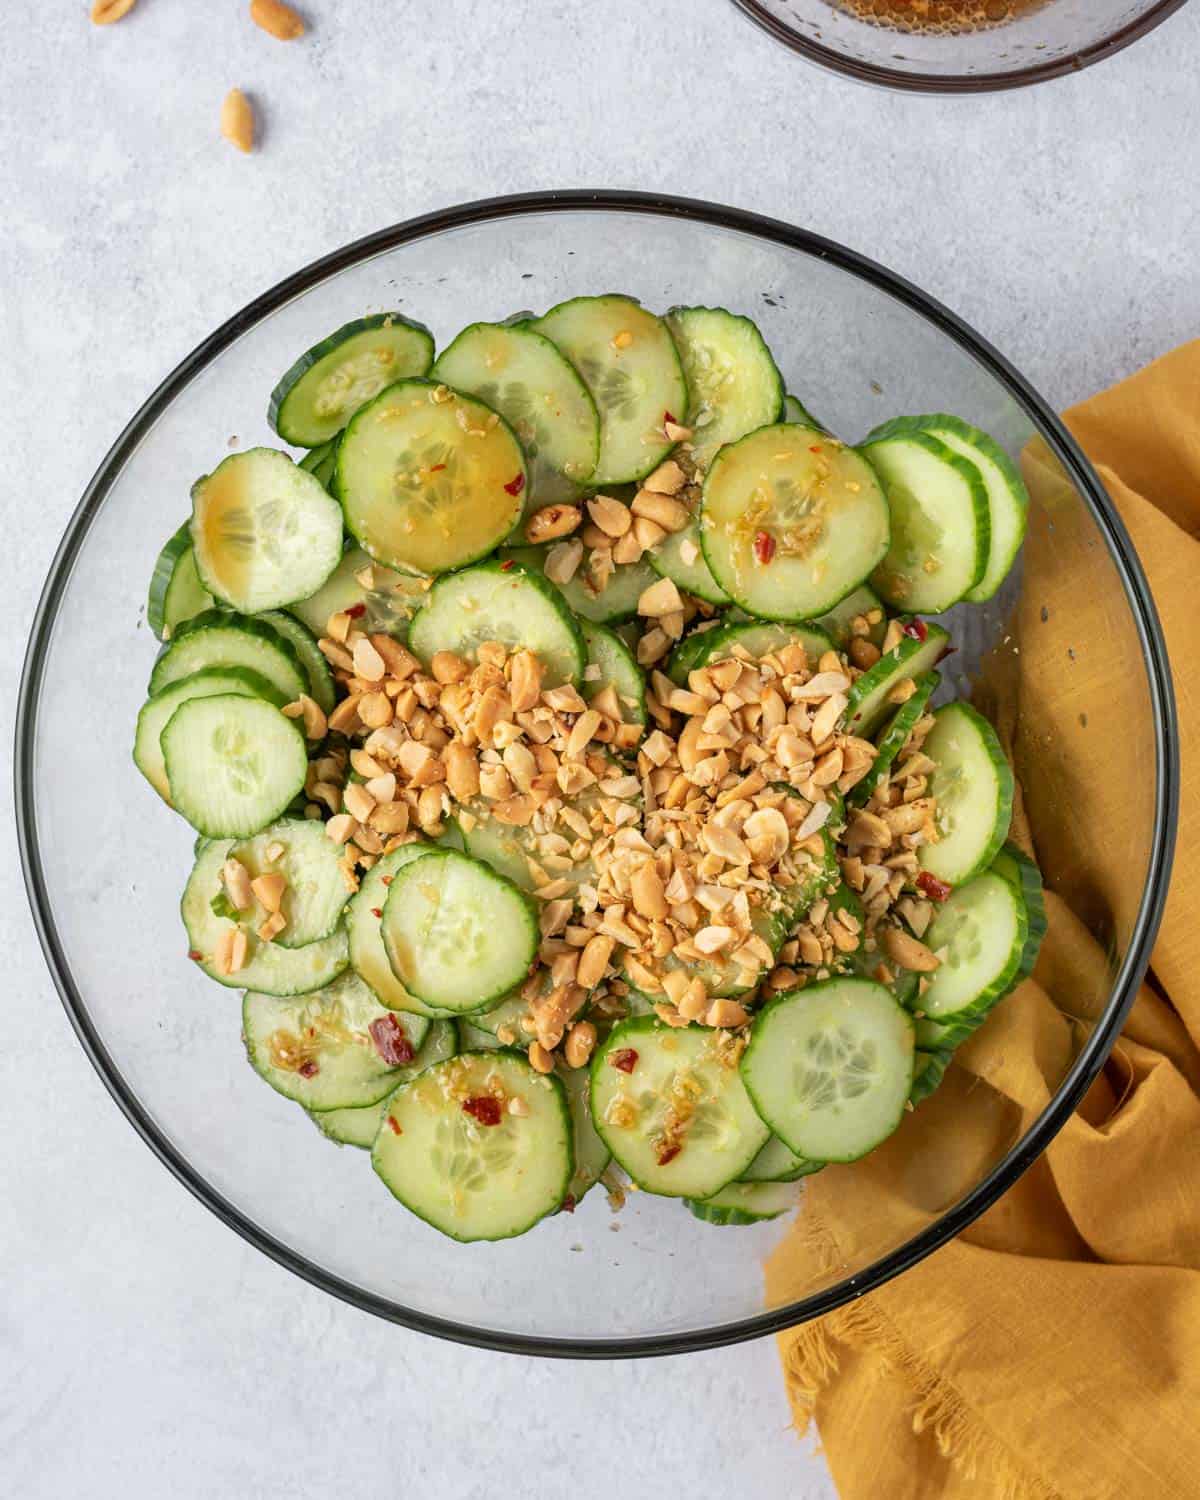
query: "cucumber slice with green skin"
269, 968
233, 764
320, 1049
791, 521
972, 785
892, 738
945, 1036
940, 527
734, 385
591, 1155
794, 410
616, 601
631, 367
984, 928
745, 1203
778, 1163
503, 602
429, 479
1015, 866
388, 605
176, 593
836, 622
368, 957
359, 1127
693, 577
503, 1017
471, 1179
457, 935
220, 639
870, 694
928, 1071
829, 1067
1008, 499
308, 860
320, 462
265, 532
679, 1120
539, 393
509, 848
333, 379
316, 668
756, 639
612, 664
155, 714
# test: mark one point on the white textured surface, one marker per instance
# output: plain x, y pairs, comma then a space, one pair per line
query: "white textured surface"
143, 1347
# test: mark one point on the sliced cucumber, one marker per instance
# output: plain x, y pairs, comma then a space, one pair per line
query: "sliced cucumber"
457, 935
269, 968
512, 850
689, 573
791, 521
321, 462
440, 1154
363, 916
233, 763
940, 526
861, 601
537, 390
591, 1155
734, 386
1008, 499
336, 1048
389, 599
1015, 866
794, 410
265, 531
504, 1017
928, 1071
894, 736
612, 664
870, 696
429, 479
778, 1163
671, 1107
756, 639
315, 894
506, 602
333, 379
983, 928
616, 601
320, 679
176, 593
972, 785
745, 1203
359, 1127
156, 712
220, 639
630, 365
829, 1067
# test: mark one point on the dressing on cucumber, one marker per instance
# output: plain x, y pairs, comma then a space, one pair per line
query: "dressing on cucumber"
616, 601
359, 1126
389, 599
734, 386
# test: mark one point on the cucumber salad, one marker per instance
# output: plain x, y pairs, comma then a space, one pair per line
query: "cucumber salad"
560, 738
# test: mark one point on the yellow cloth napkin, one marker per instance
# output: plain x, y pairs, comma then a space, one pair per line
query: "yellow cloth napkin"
1052, 1351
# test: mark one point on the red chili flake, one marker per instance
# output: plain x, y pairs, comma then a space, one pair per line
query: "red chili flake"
194, 953
764, 547
568, 1204
917, 629
308, 1068
947, 651
386, 879
436, 468
935, 889
515, 486
393, 1127
816, 448
391, 1042
667, 417
377, 911
668, 1153
356, 611
484, 1108
625, 1060
507, 565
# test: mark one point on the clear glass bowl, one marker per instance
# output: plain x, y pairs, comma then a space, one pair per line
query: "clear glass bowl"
105, 863
1046, 41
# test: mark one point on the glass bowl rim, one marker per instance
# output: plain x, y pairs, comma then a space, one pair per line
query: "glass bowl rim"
834, 61
1166, 751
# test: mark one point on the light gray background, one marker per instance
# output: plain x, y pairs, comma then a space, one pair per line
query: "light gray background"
143, 1348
